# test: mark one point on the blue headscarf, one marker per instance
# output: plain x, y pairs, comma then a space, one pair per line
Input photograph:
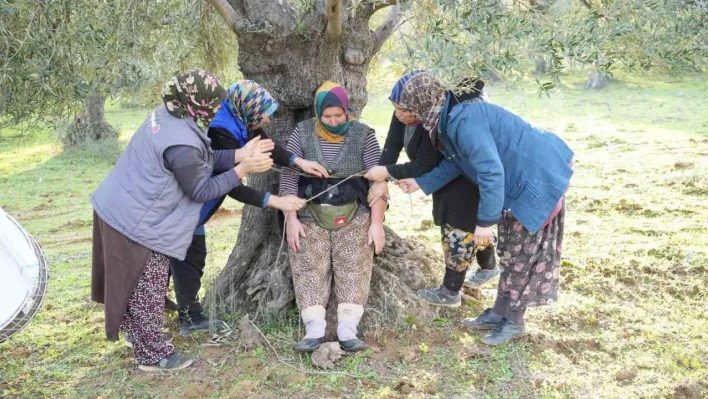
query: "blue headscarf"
245, 107
226, 120
398, 87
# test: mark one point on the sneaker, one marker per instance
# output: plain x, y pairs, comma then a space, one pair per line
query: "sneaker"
167, 336
172, 362
198, 323
504, 331
481, 276
440, 296
486, 321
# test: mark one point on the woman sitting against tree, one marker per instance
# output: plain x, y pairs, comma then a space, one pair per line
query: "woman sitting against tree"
237, 126
522, 173
454, 205
147, 207
337, 233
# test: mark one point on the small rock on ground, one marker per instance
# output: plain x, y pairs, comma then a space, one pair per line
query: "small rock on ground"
691, 390
325, 356
404, 385
625, 375
253, 362
250, 337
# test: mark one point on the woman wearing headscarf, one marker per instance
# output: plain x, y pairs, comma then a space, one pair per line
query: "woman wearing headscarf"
454, 205
237, 126
147, 208
337, 234
522, 172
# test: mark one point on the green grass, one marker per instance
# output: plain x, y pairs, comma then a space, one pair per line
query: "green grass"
633, 288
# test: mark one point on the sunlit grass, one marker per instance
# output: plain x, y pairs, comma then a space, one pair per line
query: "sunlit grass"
631, 322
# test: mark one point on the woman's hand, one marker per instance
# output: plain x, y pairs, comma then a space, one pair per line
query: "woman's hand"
377, 173
311, 167
294, 232
253, 147
483, 236
258, 163
286, 203
408, 185
378, 191
377, 236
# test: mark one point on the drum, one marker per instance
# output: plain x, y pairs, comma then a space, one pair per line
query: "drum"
24, 276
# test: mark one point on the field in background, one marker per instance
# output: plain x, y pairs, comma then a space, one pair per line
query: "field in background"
632, 320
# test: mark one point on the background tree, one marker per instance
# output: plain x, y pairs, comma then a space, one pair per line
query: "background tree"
61, 59
495, 37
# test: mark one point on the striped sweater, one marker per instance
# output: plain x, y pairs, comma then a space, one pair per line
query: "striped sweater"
372, 153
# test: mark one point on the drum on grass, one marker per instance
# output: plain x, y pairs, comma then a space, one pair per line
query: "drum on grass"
24, 276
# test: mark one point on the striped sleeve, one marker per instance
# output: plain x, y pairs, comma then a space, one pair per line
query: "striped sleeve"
372, 152
289, 183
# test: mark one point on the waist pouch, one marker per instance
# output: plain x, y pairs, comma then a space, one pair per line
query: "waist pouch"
333, 217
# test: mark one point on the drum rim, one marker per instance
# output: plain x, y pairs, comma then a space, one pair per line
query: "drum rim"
15, 326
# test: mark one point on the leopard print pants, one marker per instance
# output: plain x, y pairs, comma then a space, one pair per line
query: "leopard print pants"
344, 253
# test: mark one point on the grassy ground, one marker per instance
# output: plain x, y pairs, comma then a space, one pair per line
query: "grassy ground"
632, 321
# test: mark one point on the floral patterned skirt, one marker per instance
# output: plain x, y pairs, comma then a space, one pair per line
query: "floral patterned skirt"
530, 262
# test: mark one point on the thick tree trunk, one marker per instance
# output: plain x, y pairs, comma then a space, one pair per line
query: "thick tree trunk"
91, 124
291, 63
540, 66
597, 80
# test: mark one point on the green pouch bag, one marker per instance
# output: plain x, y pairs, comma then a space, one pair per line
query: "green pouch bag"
333, 217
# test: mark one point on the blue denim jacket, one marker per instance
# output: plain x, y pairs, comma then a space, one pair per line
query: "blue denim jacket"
517, 167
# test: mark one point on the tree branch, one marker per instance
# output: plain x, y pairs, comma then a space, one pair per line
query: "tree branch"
384, 31
587, 4
385, 4
371, 6
333, 11
234, 20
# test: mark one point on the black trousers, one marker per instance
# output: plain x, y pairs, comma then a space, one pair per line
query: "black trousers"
454, 279
187, 277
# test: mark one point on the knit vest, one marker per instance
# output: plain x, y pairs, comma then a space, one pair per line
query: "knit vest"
348, 161
141, 198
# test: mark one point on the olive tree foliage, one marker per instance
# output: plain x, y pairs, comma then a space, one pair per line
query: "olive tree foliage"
61, 59
459, 38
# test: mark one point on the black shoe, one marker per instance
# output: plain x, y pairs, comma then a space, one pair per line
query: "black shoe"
503, 332
190, 324
170, 306
309, 344
353, 345
486, 321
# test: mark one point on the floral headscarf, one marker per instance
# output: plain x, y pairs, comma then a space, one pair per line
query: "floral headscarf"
250, 102
398, 87
195, 93
328, 95
246, 102
424, 95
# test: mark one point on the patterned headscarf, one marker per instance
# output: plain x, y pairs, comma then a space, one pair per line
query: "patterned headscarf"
328, 95
398, 87
424, 95
195, 93
250, 102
